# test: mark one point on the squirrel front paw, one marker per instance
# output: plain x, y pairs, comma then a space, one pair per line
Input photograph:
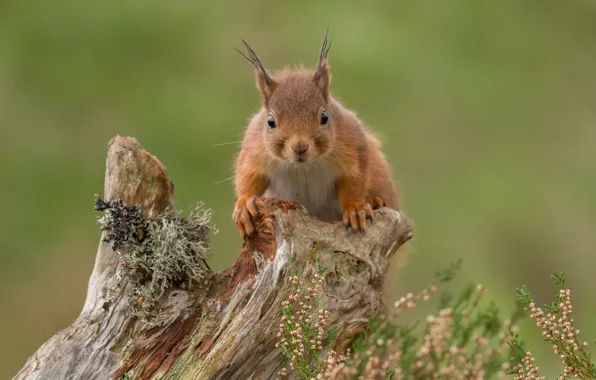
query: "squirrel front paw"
244, 212
356, 214
377, 202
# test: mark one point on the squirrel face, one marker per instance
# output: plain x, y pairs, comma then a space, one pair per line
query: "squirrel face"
298, 123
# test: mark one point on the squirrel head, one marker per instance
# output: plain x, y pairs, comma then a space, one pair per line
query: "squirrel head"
299, 124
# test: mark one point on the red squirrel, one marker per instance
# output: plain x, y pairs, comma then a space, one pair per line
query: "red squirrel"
304, 146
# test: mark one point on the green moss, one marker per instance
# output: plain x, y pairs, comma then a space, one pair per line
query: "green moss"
155, 255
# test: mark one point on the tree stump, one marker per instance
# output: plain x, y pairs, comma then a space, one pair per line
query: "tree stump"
225, 326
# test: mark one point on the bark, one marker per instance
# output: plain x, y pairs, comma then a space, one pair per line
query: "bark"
224, 327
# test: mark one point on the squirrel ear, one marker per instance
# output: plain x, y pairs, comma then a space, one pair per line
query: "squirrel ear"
265, 84
322, 75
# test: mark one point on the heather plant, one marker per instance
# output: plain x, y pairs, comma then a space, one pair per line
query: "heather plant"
557, 324
302, 327
462, 340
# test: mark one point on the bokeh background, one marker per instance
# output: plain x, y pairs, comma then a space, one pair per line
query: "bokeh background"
487, 112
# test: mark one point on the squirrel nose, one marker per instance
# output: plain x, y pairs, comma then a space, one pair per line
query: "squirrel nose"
300, 148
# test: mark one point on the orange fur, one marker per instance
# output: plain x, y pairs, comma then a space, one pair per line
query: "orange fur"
347, 173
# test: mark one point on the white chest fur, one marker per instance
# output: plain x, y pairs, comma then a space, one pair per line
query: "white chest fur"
311, 184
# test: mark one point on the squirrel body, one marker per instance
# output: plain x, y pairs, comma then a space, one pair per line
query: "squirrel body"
304, 146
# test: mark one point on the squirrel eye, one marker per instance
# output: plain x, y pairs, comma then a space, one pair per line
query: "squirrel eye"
271, 121
324, 118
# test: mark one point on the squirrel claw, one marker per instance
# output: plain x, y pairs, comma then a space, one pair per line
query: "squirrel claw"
356, 215
244, 212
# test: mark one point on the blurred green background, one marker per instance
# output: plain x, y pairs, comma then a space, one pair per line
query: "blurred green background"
487, 112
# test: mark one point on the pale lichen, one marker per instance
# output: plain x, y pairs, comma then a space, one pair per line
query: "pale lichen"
156, 255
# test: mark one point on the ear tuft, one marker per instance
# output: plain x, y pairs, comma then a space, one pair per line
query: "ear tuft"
322, 75
265, 84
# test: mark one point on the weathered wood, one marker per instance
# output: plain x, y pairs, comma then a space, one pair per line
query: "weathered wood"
224, 327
